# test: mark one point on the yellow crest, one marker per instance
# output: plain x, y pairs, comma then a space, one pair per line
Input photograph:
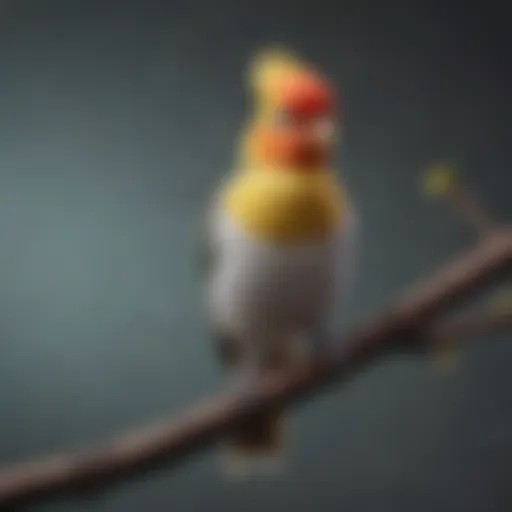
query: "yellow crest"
266, 69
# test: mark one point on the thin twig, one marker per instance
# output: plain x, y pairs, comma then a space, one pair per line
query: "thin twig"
174, 439
472, 211
442, 180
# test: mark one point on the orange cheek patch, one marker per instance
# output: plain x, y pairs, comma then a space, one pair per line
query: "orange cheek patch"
287, 148
279, 147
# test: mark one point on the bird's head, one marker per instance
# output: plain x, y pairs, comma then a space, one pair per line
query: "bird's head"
295, 119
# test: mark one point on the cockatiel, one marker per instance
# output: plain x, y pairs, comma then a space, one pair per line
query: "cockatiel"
279, 238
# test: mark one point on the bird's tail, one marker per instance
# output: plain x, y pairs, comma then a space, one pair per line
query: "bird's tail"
256, 445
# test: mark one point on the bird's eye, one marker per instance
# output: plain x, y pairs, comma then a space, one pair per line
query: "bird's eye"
284, 119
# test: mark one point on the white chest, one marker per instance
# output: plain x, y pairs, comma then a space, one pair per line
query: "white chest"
255, 287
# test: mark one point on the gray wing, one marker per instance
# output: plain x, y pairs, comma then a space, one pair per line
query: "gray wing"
226, 349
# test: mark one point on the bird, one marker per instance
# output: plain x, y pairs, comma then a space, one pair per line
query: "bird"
278, 242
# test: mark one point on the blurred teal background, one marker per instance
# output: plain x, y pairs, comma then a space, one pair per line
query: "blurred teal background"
117, 118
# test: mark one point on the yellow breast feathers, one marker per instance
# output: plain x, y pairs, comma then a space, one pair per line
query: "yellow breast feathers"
286, 208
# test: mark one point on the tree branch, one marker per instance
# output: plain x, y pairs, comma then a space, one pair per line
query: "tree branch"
444, 338
174, 439
470, 325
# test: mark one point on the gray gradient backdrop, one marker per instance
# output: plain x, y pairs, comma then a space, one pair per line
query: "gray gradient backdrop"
116, 120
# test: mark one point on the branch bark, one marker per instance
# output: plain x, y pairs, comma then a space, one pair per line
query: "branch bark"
470, 325
171, 441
